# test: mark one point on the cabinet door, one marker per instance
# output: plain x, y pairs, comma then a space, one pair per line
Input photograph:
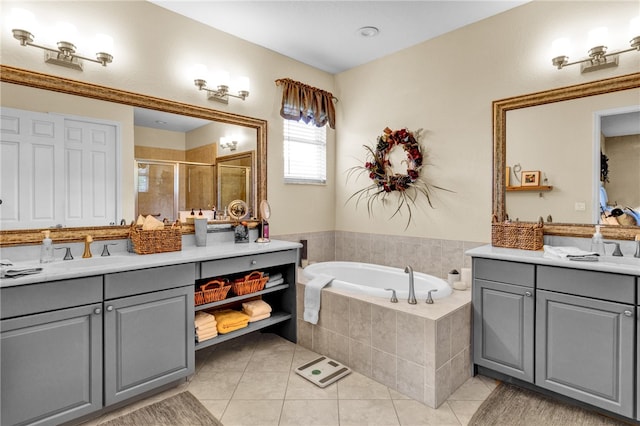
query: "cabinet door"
503, 328
149, 342
584, 350
51, 366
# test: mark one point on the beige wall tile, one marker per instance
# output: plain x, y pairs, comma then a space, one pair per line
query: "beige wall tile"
360, 357
443, 341
383, 329
411, 338
410, 379
443, 384
360, 321
460, 329
383, 368
305, 333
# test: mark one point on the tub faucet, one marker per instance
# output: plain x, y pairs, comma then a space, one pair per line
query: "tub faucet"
412, 293
87, 247
637, 254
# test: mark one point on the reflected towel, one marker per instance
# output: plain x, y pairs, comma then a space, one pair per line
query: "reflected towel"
256, 307
274, 283
260, 317
312, 292
229, 320
568, 253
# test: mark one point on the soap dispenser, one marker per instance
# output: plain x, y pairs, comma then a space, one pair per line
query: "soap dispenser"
46, 251
597, 242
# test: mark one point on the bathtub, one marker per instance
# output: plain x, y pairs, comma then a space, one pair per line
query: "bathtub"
366, 278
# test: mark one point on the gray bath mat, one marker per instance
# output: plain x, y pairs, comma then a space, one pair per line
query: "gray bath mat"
510, 405
182, 409
323, 371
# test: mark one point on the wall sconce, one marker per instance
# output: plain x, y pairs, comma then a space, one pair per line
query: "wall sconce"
65, 52
222, 93
229, 144
598, 57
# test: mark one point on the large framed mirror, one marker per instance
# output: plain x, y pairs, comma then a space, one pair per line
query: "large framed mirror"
578, 154
52, 84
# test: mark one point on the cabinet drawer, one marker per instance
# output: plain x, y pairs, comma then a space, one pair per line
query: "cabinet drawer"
130, 283
504, 271
233, 265
49, 296
598, 285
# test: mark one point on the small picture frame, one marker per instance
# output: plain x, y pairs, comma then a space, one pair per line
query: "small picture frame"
507, 176
531, 178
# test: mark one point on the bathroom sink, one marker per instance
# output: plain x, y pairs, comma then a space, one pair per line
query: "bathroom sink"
85, 263
615, 260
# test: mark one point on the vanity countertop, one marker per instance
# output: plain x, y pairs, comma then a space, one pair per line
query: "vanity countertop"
124, 261
618, 265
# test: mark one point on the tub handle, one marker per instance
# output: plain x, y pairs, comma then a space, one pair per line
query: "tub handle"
394, 299
429, 298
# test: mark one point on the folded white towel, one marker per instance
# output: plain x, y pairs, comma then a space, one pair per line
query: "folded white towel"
276, 276
274, 283
567, 252
312, 292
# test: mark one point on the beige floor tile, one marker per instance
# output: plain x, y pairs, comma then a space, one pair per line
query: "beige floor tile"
309, 413
271, 360
367, 412
300, 388
302, 356
215, 406
261, 385
357, 386
252, 413
215, 384
491, 383
413, 413
464, 410
397, 395
474, 389
228, 359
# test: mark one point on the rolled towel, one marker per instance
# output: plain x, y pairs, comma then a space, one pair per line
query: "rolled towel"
256, 307
260, 317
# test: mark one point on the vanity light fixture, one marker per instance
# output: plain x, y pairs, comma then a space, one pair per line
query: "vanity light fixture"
225, 143
64, 53
221, 93
598, 57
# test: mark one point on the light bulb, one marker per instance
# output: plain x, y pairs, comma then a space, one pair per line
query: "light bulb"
598, 37
560, 47
65, 32
242, 84
22, 19
103, 43
634, 27
222, 78
199, 71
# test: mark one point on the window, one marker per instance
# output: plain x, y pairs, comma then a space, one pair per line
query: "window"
305, 153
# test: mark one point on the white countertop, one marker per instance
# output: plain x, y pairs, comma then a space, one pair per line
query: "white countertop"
123, 261
619, 265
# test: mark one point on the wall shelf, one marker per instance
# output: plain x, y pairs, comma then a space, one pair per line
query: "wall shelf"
529, 188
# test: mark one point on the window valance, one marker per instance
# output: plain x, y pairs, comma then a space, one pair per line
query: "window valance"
306, 103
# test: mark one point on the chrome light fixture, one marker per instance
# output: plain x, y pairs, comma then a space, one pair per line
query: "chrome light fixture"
598, 58
64, 53
225, 143
222, 91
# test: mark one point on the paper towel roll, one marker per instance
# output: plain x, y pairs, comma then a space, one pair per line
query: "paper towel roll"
465, 276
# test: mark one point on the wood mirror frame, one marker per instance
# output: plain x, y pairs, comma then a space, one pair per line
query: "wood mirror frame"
24, 77
500, 108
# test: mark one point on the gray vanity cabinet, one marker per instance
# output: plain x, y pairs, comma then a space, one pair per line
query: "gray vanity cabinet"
51, 360
503, 317
148, 337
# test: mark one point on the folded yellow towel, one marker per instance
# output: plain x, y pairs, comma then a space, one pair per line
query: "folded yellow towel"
230, 320
260, 317
256, 307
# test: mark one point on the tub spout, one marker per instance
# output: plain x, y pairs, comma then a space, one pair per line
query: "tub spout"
412, 293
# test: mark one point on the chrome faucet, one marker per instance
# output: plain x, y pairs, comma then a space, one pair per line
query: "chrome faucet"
616, 250
637, 254
412, 293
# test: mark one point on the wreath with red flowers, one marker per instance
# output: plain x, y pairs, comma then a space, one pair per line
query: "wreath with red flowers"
386, 181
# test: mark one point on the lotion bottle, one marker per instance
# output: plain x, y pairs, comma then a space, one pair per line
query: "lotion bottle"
46, 251
597, 242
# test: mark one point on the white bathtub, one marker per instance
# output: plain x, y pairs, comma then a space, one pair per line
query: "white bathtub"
365, 278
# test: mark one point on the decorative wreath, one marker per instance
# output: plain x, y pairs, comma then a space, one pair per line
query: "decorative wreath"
386, 181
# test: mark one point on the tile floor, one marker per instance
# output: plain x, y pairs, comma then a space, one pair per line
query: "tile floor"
251, 381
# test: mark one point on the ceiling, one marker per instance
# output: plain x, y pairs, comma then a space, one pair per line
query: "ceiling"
324, 34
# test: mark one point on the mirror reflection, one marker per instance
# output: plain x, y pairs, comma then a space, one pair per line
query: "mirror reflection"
563, 140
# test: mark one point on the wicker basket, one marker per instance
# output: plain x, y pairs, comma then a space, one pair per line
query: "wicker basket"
251, 283
156, 241
518, 235
212, 291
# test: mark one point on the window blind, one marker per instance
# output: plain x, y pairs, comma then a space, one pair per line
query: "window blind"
305, 153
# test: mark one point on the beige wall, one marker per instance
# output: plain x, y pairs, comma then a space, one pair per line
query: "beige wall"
445, 86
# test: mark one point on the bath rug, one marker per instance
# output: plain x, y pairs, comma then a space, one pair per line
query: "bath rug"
323, 371
510, 405
182, 409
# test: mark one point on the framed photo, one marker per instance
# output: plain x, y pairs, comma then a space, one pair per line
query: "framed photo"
507, 176
530, 178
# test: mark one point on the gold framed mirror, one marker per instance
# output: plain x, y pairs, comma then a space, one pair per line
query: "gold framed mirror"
37, 80
500, 109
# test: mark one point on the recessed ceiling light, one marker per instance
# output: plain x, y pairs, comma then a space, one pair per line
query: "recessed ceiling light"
160, 122
368, 31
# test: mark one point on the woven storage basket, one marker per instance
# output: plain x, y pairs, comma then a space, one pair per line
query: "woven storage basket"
212, 291
518, 235
251, 283
157, 240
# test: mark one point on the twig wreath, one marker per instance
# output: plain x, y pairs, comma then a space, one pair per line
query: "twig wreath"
385, 180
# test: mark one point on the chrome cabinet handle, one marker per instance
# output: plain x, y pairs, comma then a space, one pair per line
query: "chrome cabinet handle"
109, 308
97, 311
528, 293
253, 262
628, 313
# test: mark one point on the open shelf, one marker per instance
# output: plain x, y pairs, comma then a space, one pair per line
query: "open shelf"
530, 188
275, 318
239, 298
